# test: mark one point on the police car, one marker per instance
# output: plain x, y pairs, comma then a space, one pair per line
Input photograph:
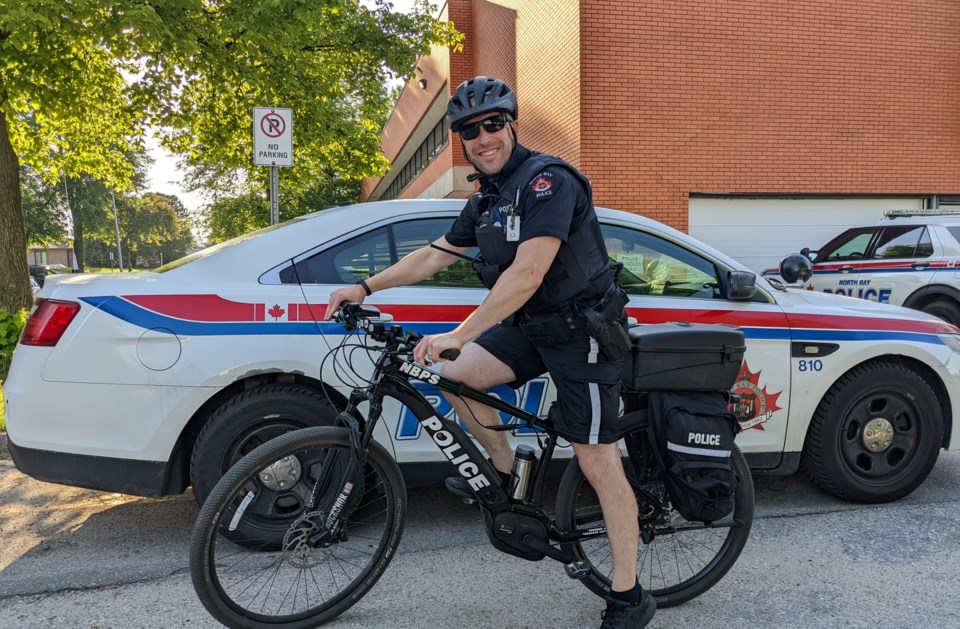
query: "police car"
147, 383
910, 258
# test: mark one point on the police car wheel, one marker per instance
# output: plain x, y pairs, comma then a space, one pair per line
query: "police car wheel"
947, 310
875, 435
249, 420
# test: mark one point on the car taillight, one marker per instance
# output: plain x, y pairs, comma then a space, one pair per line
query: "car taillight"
48, 322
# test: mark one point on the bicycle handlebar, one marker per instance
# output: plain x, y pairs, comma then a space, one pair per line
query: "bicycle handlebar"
354, 315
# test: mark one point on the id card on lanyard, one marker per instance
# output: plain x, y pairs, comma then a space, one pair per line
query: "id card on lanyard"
512, 224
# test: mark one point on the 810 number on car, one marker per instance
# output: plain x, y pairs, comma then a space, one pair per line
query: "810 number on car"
812, 364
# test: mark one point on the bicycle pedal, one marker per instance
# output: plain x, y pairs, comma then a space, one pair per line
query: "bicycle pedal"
576, 570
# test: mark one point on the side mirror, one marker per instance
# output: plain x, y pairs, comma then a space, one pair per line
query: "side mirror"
795, 266
741, 285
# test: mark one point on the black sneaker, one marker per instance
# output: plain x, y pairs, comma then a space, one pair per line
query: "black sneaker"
622, 615
457, 485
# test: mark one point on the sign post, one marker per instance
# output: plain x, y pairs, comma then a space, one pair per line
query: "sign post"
273, 147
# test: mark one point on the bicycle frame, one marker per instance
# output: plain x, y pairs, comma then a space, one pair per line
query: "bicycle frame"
392, 374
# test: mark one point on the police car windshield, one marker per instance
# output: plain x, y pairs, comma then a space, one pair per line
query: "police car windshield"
203, 253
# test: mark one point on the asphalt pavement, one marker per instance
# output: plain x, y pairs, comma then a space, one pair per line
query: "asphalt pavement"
76, 558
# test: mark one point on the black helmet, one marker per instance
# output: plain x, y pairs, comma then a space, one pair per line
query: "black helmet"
477, 96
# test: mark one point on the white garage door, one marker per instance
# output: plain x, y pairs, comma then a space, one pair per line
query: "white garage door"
760, 231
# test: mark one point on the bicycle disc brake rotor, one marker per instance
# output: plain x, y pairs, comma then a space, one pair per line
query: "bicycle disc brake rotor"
297, 550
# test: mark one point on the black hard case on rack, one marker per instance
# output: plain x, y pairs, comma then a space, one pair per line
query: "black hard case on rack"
684, 357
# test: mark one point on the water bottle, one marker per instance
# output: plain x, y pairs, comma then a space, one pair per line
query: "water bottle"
521, 477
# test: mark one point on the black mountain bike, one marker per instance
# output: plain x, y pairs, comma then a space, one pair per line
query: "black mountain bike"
302, 527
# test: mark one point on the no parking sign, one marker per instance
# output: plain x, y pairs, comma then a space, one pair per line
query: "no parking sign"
272, 136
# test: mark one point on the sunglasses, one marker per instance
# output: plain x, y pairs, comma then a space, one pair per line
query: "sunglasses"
490, 125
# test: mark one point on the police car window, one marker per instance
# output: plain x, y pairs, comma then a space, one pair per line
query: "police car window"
654, 266
344, 263
368, 254
850, 245
899, 242
412, 235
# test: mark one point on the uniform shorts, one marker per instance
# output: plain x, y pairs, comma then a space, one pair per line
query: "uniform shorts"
588, 386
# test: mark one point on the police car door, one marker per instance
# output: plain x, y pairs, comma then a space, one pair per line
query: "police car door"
899, 264
837, 264
667, 281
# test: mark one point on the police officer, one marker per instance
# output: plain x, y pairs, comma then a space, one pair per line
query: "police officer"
543, 258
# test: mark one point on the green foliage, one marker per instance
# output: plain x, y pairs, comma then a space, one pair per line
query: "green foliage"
81, 80
233, 216
44, 212
11, 325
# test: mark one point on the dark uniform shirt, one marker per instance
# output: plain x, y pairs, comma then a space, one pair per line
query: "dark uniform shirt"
553, 204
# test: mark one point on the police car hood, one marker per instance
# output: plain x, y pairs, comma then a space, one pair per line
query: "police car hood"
801, 301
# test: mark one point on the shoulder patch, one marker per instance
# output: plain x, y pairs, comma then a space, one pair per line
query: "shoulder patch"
542, 185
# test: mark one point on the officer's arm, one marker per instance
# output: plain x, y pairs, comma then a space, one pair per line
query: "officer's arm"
513, 288
416, 266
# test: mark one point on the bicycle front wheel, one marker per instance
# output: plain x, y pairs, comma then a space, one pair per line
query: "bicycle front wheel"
677, 560
304, 568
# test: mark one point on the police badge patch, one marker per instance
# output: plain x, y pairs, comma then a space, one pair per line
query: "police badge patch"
542, 186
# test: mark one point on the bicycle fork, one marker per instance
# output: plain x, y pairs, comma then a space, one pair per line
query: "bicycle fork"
359, 437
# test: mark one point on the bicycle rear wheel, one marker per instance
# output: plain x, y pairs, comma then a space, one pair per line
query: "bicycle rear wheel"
312, 572
677, 560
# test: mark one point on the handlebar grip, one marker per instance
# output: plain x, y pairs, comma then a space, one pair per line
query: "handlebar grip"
450, 354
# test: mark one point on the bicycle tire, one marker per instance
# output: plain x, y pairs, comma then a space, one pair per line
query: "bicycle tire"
254, 586
715, 549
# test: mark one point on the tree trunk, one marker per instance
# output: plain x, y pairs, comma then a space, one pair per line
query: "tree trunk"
14, 275
76, 212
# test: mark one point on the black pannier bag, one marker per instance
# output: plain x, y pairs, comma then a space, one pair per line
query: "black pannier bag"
688, 369
692, 434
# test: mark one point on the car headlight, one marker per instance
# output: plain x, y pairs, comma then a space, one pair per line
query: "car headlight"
951, 340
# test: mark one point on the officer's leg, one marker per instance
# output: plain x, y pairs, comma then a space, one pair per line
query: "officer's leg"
602, 467
479, 369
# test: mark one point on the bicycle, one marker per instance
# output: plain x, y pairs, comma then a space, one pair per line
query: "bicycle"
327, 505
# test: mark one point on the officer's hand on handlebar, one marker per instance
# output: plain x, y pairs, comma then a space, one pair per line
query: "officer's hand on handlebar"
437, 348
347, 293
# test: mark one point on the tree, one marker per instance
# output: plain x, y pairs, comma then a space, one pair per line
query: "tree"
91, 74
44, 211
148, 225
231, 216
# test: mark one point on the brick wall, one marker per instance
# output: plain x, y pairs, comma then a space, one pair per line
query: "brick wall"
767, 96
460, 13
533, 45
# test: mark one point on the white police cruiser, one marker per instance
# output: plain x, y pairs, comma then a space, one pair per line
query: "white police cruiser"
147, 383
910, 258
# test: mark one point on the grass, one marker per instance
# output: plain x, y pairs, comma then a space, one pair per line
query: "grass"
3, 424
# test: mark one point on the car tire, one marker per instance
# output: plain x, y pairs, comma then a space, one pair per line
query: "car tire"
249, 420
875, 435
945, 309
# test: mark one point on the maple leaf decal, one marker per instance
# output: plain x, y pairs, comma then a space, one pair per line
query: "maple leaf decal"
756, 405
276, 312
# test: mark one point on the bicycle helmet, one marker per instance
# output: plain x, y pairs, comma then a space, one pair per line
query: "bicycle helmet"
480, 95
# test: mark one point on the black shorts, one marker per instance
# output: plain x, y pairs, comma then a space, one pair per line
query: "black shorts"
588, 385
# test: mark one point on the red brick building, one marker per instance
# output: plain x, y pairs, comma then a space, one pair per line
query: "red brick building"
786, 119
